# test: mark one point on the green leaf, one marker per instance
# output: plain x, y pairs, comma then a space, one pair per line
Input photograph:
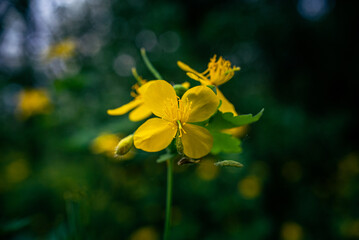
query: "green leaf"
228, 163
226, 120
226, 143
165, 157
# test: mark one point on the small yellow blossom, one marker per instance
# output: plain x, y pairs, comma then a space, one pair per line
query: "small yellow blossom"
141, 111
106, 144
196, 105
32, 102
217, 73
64, 49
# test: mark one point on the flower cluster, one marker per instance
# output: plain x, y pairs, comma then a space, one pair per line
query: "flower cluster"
180, 116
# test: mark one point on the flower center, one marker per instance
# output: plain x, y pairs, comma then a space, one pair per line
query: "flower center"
220, 71
177, 112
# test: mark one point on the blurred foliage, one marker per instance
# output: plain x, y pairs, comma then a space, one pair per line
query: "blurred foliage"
301, 160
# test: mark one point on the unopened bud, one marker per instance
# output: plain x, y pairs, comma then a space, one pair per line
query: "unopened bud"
124, 146
180, 89
186, 160
228, 163
179, 145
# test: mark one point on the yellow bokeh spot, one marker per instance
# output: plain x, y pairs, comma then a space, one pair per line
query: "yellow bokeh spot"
250, 187
33, 101
349, 165
354, 229
17, 171
350, 228
291, 231
207, 170
106, 144
145, 233
64, 49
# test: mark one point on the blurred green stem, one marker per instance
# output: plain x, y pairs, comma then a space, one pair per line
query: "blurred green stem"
168, 198
149, 65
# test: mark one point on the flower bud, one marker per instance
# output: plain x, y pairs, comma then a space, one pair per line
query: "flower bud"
186, 160
124, 145
180, 89
179, 145
228, 163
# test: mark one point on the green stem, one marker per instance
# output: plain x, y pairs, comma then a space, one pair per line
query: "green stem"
168, 199
150, 66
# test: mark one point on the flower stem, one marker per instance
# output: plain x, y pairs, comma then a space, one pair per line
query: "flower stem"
150, 66
168, 199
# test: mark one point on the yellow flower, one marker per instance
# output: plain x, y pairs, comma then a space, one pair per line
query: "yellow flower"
64, 49
33, 101
141, 111
196, 105
217, 73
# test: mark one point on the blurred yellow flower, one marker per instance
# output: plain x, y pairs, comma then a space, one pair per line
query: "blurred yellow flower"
17, 171
145, 233
250, 187
32, 102
196, 105
207, 170
64, 49
106, 144
140, 110
291, 231
217, 73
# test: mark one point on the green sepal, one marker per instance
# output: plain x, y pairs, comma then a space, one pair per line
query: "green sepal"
226, 143
227, 120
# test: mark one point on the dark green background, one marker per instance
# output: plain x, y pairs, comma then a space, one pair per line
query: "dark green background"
300, 66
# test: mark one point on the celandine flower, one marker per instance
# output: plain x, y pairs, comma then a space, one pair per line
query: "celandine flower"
64, 49
175, 117
141, 111
32, 102
217, 73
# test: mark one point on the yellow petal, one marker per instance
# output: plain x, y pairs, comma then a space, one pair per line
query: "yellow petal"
199, 78
140, 113
204, 103
193, 73
226, 106
124, 108
154, 135
185, 67
158, 94
186, 84
237, 131
197, 141
141, 90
